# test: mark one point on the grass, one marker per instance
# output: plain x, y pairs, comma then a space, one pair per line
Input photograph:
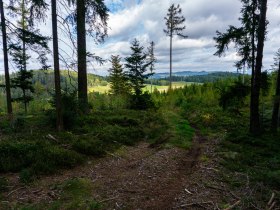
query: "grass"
258, 157
106, 89
33, 148
180, 131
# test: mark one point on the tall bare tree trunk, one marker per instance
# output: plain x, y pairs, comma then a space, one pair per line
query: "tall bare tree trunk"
253, 64
23, 26
170, 73
82, 57
59, 116
6, 61
255, 127
275, 113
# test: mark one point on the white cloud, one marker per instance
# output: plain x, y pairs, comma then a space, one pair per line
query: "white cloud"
144, 20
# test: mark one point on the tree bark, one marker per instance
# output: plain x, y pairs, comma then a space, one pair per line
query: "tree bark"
275, 113
253, 62
82, 57
255, 127
6, 61
59, 116
170, 76
25, 101
23, 40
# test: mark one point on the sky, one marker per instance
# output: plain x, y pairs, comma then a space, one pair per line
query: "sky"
144, 20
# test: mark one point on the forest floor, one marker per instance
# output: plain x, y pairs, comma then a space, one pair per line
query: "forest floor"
139, 177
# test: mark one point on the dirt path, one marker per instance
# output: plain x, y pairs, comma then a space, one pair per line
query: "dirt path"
137, 177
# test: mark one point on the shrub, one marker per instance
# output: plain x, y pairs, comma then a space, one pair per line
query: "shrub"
233, 97
142, 102
70, 110
40, 157
89, 146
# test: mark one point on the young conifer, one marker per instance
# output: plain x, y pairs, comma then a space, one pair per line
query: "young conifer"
117, 78
137, 66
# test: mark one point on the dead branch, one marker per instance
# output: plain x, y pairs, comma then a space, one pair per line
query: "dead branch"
49, 136
271, 199
233, 205
109, 199
10, 193
196, 204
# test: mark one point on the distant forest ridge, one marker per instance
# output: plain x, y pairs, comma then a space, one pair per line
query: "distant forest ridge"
69, 78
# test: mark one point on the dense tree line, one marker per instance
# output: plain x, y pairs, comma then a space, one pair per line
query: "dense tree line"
211, 77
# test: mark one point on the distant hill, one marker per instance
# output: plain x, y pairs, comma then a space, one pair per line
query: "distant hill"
69, 80
194, 77
210, 77
181, 74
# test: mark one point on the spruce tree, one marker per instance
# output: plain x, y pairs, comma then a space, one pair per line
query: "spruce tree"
174, 21
137, 67
117, 78
23, 81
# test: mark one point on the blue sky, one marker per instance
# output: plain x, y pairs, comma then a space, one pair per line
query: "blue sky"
144, 20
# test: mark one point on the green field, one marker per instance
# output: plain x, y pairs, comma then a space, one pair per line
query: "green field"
105, 89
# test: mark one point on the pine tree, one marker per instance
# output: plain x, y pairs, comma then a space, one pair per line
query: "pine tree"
117, 77
137, 66
174, 22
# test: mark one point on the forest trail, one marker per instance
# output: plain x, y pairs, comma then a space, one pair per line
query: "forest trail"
138, 177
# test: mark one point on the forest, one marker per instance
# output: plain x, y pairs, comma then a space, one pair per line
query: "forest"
72, 139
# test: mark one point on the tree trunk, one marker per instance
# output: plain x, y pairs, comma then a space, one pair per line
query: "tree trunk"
255, 127
25, 101
59, 116
170, 76
82, 57
275, 113
253, 63
6, 61
23, 38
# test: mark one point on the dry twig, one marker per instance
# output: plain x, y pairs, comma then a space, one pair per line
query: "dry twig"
233, 205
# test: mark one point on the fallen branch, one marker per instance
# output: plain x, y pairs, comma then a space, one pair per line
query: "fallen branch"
188, 191
49, 136
271, 199
207, 168
233, 205
196, 204
272, 205
109, 199
10, 193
